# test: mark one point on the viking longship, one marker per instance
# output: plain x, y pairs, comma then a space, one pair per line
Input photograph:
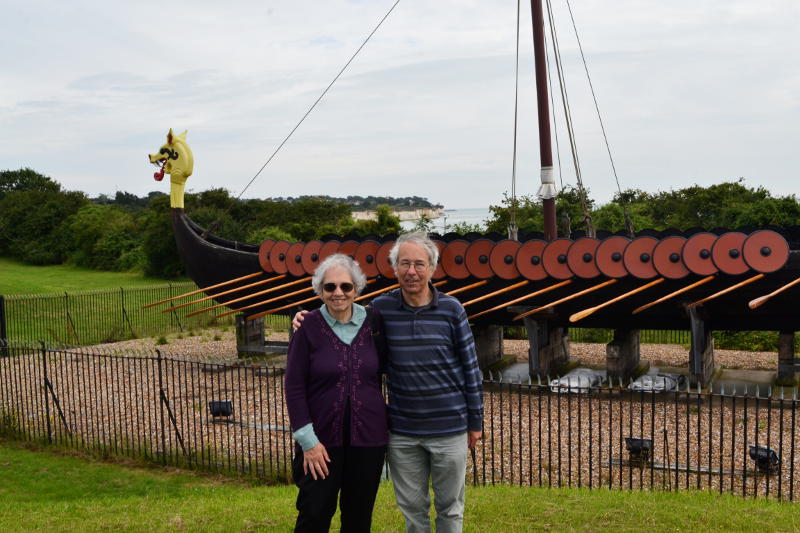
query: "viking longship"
697, 280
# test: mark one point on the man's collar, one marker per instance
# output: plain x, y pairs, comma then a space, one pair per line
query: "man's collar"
433, 303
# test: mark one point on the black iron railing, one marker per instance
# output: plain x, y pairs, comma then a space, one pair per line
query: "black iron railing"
232, 418
92, 317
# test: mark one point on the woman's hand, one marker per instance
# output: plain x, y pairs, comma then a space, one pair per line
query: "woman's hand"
315, 461
297, 321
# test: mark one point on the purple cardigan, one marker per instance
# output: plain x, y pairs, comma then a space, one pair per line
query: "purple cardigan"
322, 371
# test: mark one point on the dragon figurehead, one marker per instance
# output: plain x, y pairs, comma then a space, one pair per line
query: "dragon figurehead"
175, 158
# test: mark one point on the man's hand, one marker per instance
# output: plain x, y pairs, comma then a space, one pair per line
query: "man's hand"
473, 437
316, 461
297, 321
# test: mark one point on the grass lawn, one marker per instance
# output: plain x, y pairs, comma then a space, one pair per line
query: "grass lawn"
46, 490
19, 278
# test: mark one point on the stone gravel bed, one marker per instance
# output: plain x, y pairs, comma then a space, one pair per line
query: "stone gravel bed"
204, 347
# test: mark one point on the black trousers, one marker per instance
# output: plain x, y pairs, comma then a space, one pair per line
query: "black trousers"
355, 472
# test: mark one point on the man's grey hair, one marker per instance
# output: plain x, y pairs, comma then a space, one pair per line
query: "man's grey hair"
420, 238
342, 261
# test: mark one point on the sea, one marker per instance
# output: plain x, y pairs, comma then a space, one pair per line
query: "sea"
471, 215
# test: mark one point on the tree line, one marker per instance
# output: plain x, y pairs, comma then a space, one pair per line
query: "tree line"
41, 223
726, 205
368, 203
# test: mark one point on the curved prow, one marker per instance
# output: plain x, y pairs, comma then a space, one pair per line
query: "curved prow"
176, 159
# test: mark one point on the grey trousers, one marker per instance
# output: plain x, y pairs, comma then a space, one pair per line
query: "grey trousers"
413, 462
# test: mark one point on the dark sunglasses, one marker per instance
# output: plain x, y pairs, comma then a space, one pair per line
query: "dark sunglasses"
331, 287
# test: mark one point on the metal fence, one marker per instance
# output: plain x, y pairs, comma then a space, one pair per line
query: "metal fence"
92, 317
655, 336
232, 418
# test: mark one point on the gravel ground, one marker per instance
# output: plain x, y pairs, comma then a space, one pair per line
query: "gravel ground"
203, 347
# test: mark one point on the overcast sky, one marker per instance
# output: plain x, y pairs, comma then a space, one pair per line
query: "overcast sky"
691, 92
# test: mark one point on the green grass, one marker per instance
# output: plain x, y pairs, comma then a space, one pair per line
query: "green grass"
19, 278
41, 490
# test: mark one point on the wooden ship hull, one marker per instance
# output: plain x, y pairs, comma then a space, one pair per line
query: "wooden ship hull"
488, 271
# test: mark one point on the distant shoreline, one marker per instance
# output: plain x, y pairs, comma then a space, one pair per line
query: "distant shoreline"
405, 215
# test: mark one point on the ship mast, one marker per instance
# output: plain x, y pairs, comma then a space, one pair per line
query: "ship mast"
547, 190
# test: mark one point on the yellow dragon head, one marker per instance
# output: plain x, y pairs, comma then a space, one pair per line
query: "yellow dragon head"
175, 158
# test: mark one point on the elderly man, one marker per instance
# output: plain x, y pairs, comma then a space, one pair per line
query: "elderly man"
435, 400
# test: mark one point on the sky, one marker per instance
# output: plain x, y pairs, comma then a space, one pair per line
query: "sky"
690, 92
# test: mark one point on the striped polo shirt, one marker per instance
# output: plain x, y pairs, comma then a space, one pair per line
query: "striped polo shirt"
434, 380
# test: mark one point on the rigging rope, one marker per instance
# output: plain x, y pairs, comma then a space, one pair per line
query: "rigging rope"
513, 232
568, 117
628, 221
310, 109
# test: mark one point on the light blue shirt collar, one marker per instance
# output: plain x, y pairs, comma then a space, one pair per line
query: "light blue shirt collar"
346, 331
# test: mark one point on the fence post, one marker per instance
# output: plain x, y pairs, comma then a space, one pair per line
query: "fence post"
46, 398
3, 332
161, 410
125, 316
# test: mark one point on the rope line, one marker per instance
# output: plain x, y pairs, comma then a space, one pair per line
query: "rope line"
568, 118
512, 226
310, 109
628, 220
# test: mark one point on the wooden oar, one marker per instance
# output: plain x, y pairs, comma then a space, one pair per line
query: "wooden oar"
390, 287
184, 295
301, 302
375, 293
229, 291
287, 306
761, 299
247, 297
521, 298
265, 302
468, 287
566, 298
673, 294
726, 291
586, 312
495, 293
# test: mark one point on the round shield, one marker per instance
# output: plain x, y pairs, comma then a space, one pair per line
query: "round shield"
454, 259
277, 257
348, 248
727, 253
327, 249
382, 260
477, 257
696, 254
263, 254
366, 256
765, 251
294, 259
580, 257
503, 259
439, 273
610, 254
529, 260
310, 256
667, 258
554, 258
638, 257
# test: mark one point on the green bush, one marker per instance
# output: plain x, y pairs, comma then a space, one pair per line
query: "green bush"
752, 341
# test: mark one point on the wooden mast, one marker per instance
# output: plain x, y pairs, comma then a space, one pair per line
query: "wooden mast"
547, 190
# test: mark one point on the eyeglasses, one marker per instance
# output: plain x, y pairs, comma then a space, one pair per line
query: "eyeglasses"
419, 266
331, 287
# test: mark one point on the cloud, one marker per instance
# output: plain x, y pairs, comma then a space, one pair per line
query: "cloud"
690, 92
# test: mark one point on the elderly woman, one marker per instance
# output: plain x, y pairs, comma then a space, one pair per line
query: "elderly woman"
336, 408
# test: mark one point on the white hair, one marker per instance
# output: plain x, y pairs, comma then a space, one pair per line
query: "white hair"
342, 261
420, 238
